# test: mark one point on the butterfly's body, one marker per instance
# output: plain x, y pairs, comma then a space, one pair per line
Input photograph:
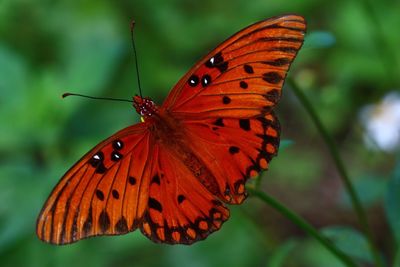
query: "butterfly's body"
170, 134
172, 174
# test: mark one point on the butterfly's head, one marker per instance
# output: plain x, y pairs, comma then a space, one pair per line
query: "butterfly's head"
144, 106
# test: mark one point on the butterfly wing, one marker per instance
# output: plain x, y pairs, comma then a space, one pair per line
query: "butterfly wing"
224, 107
243, 76
104, 193
225, 102
234, 149
180, 209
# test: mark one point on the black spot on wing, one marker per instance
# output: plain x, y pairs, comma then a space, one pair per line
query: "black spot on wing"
181, 198
248, 69
121, 226
99, 195
272, 77
193, 81
156, 179
219, 122
87, 225
155, 204
132, 180
226, 100
115, 194
244, 124
233, 149
104, 221
243, 85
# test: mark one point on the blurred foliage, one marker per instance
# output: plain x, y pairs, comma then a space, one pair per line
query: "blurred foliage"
350, 59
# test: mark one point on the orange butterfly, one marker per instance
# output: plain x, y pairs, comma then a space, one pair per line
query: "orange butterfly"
172, 174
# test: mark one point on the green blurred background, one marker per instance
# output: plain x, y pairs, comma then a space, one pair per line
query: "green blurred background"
348, 68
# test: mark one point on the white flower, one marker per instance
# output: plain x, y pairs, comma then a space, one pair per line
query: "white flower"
382, 123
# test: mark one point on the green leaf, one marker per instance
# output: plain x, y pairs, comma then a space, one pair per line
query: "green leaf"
370, 189
350, 241
285, 144
320, 39
392, 203
396, 260
281, 254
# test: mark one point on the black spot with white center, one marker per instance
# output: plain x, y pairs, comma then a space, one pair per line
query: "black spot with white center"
248, 69
226, 100
193, 80
117, 144
244, 124
154, 204
96, 159
210, 63
181, 198
115, 194
272, 77
243, 85
116, 156
233, 150
132, 180
206, 80
99, 195
218, 62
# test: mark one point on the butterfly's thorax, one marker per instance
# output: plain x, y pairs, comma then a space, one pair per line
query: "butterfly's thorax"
170, 133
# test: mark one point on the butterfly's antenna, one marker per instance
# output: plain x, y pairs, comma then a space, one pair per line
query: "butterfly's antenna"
136, 61
94, 97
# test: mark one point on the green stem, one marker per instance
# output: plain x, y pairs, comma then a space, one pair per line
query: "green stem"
304, 225
341, 169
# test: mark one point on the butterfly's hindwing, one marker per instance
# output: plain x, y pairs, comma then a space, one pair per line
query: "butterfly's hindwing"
235, 149
180, 209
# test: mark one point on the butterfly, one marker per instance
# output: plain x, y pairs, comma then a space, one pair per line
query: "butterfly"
173, 174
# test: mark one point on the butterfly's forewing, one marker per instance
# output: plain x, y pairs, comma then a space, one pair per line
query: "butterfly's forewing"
104, 193
225, 101
181, 210
243, 76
